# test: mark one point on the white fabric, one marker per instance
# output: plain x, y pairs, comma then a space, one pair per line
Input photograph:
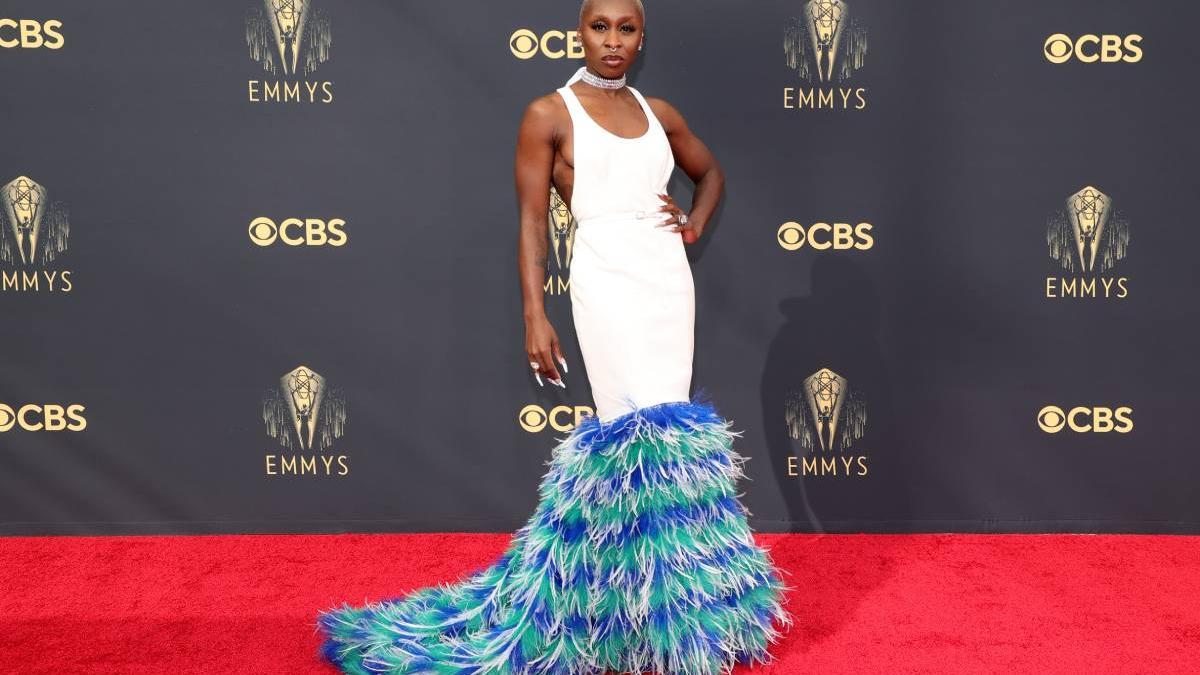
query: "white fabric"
632, 296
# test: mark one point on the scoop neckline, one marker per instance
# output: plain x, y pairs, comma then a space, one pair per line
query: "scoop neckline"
645, 111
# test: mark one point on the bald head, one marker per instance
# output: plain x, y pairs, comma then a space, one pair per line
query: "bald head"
587, 4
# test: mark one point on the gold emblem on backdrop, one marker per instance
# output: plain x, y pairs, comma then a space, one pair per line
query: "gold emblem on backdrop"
288, 37
37, 229
552, 44
1087, 238
824, 406
40, 417
535, 418
30, 34
561, 225
33, 233
827, 417
1061, 48
821, 236
824, 44
305, 416
264, 231
825, 47
303, 413
1086, 419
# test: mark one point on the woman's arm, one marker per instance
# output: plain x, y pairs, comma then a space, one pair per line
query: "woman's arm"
534, 164
693, 156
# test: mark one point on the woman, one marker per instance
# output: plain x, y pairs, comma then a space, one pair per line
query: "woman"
638, 557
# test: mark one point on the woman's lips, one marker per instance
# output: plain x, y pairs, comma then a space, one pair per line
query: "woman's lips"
612, 60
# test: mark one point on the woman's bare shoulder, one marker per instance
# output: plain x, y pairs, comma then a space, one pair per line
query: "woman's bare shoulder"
546, 108
667, 114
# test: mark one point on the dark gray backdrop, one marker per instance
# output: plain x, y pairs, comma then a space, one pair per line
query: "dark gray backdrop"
177, 324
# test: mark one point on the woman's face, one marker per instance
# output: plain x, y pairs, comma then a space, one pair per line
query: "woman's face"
611, 31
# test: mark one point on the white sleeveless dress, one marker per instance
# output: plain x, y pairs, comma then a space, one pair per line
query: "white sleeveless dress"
632, 295
638, 556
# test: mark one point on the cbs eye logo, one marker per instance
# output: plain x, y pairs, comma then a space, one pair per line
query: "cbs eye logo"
1059, 48
534, 418
298, 232
46, 417
553, 44
822, 236
1083, 419
30, 34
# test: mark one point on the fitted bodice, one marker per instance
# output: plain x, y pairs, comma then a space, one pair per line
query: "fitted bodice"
616, 177
632, 297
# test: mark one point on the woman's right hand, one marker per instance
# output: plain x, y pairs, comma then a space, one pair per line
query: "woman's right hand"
541, 346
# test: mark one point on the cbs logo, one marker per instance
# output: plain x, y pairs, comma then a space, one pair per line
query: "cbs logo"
1052, 419
48, 417
534, 418
1059, 48
298, 232
553, 44
822, 236
30, 34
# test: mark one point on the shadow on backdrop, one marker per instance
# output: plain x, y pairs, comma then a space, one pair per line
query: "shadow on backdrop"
836, 327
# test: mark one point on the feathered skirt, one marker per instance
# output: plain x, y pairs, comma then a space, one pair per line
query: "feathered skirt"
637, 558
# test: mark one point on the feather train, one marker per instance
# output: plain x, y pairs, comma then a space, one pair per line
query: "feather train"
637, 558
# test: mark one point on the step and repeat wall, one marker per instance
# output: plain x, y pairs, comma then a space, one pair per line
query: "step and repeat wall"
259, 261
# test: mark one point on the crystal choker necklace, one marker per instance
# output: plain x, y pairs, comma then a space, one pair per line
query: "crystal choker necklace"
601, 82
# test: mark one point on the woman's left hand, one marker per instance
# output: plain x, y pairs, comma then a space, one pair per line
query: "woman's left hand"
678, 220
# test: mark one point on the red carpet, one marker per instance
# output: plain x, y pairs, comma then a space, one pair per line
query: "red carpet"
865, 603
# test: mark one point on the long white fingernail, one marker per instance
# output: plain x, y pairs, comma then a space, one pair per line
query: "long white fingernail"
564, 364
539, 379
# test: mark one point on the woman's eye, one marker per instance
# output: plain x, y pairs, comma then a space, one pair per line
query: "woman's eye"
598, 26
627, 28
